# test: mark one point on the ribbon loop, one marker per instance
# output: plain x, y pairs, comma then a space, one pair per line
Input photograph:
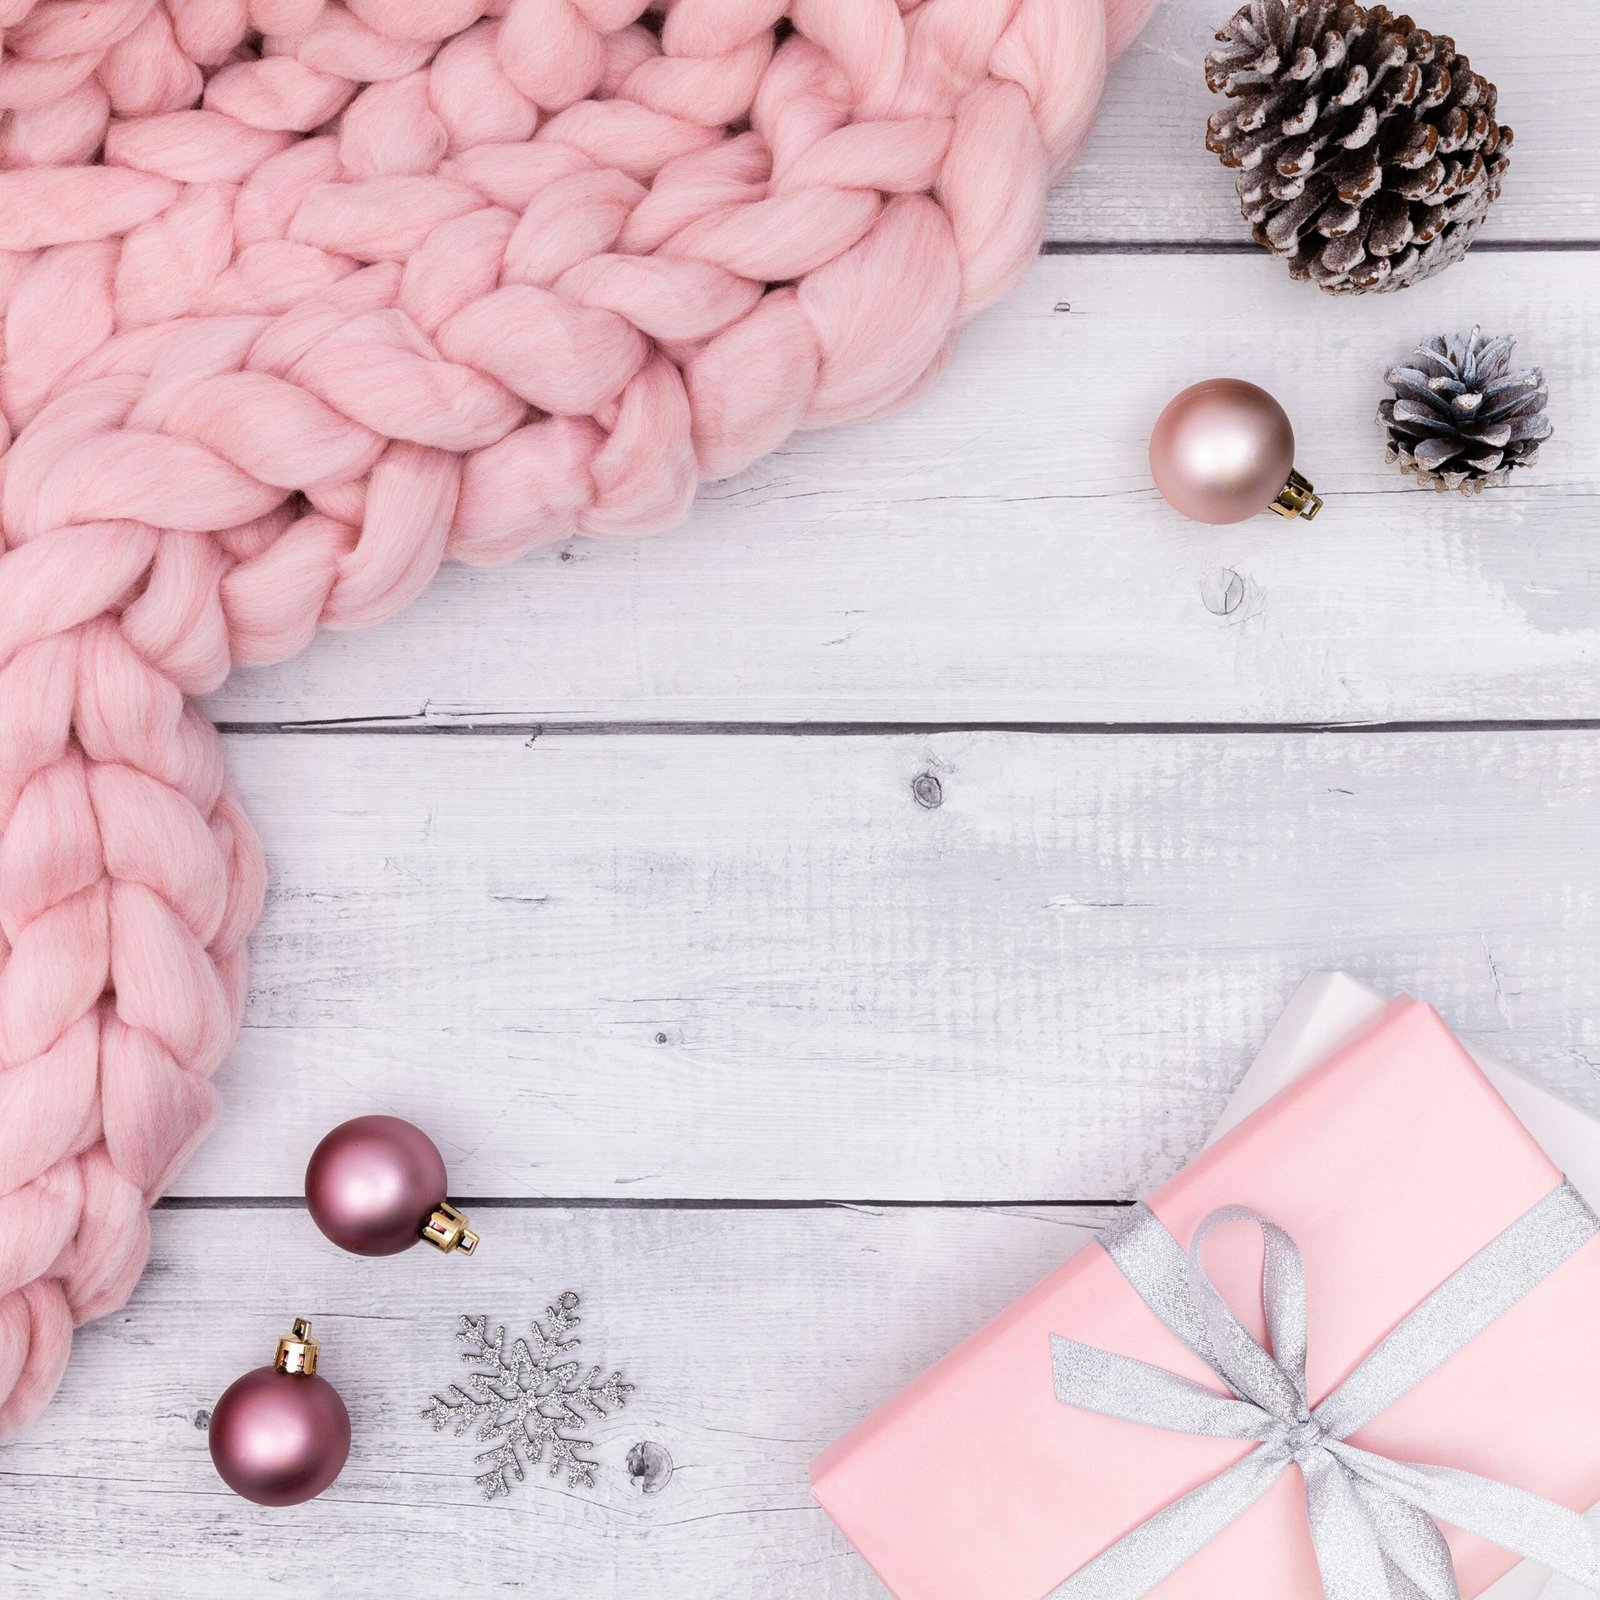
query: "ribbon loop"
1275, 1378
1372, 1519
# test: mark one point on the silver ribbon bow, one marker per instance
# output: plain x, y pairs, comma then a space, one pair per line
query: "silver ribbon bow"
1372, 1519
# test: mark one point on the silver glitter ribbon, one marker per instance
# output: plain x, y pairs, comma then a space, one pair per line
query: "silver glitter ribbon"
1372, 1518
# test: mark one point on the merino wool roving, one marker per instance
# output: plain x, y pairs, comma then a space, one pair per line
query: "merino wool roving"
299, 299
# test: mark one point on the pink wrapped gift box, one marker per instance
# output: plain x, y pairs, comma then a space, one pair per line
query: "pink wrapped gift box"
1391, 1164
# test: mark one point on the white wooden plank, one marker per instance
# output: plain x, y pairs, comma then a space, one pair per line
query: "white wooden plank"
754, 1339
718, 966
999, 553
1147, 175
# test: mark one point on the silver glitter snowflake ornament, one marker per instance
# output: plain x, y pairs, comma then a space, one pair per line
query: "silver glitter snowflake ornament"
528, 1400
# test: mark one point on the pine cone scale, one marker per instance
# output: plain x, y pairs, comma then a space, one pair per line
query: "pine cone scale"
1366, 150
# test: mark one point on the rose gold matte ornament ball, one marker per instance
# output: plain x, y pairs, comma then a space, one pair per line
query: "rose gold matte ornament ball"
280, 1435
376, 1185
1224, 450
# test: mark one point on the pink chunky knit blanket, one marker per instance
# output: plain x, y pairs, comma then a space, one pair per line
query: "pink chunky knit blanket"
299, 299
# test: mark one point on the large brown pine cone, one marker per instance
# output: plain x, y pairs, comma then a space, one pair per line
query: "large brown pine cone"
1367, 149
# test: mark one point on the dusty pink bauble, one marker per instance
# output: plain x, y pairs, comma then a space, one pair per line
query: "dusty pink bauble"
1223, 450
376, 1185
280, 1435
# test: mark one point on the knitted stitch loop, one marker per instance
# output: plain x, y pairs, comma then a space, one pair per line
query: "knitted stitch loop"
297, 300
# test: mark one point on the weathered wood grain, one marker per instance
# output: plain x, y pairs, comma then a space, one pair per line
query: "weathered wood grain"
754, 1339
1147, 176
762, 967
999, 553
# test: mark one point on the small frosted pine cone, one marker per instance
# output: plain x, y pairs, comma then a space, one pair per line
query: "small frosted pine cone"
1367, 149
1462, 416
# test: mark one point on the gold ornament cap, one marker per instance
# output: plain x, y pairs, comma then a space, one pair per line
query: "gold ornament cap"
298, 1352
1297, 499
447, 1230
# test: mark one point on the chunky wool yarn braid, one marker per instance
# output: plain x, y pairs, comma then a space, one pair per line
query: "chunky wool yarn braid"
299, 299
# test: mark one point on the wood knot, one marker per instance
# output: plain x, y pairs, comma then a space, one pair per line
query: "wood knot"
649, 1467
1222, 591
927, 791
